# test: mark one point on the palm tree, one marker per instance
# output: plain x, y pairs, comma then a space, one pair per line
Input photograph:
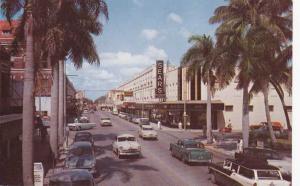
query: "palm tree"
239, 21
11, 8
69, 35
202, 56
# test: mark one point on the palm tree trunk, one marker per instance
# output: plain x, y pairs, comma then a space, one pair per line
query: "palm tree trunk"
245, 117
54, 112
208, 113
61, 103
28, 106
266, 100
281, 97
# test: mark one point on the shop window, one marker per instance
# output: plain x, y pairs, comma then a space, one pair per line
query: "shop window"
271, 108
251, 108
229, 108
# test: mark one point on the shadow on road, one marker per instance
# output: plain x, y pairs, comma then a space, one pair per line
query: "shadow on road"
102, 137
99, 150
109, 166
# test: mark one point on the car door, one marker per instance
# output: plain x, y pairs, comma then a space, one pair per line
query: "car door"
245, 176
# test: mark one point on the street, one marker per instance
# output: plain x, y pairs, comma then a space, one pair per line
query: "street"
155, 167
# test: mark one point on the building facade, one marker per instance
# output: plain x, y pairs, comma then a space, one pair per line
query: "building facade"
189, 95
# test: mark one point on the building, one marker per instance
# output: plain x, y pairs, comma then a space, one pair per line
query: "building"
189, 95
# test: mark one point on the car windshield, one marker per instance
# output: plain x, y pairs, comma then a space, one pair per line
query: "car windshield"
192, 144
84, 120
69, 183
82, 138
144, 121
126, 139
147, 128
105, 118
268, 175
272, 155
80, 151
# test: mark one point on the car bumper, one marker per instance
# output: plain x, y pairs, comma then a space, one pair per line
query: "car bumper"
199, 161
150, 136
130, 153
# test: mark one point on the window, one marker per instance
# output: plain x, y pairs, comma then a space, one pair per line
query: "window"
248, 173
229, 108
271, 108
251, 108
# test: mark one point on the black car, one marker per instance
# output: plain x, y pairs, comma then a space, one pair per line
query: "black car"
81, 156
73, 177
84, 136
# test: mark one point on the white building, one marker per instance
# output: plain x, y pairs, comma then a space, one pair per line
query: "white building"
180, 90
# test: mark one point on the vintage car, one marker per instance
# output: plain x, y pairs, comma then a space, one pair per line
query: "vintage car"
147, 132
245, 173
126, 144
105, 122
81, 156
189, 150
143, 121
72, 177
272, 157
84, 136
82, 124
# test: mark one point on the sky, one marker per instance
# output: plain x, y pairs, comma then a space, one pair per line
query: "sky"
137, 33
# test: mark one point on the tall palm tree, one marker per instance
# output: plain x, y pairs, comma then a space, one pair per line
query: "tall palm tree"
202, 56
10, 9
239, 21
69, 35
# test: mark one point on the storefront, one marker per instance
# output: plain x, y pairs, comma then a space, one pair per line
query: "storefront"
171, 113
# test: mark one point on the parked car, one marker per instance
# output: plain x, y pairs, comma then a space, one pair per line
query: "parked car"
272, 157
245, 173
82, 124
135, 119
189, 150
84, 136
122, 115
72, 177
147, 132
105, 122
81, 156
85, 111
126, 144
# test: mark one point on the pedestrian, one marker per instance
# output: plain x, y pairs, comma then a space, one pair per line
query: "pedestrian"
240, 146
180, 125
159, 124
188, 124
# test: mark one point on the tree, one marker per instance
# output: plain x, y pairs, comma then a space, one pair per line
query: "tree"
239, 21
11, 8
202, 57
69, 36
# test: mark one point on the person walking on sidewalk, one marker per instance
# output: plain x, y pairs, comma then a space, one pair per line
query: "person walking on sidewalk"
179, 125
159, 125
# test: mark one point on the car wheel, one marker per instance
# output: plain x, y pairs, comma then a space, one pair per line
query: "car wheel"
213, 178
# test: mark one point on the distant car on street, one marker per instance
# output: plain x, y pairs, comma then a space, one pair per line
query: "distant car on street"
72, 177
81, 156
245, 173
84, 136
122, 115
272, 157
82, 124
143, 121
189, 150
147, 132
105, 122
126, 144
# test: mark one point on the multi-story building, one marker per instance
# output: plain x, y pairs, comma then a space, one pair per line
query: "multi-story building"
188, 95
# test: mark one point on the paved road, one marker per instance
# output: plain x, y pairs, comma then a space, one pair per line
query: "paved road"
155, 167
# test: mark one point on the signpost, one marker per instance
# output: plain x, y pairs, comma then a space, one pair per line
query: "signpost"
160, 87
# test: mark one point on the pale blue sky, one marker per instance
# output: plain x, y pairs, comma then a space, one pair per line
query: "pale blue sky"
137, 33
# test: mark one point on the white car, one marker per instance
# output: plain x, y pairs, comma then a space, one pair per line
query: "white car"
105, 122
122, 115
82, 124
147, 131
126, 144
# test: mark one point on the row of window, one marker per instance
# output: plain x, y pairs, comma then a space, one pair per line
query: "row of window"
229, 108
